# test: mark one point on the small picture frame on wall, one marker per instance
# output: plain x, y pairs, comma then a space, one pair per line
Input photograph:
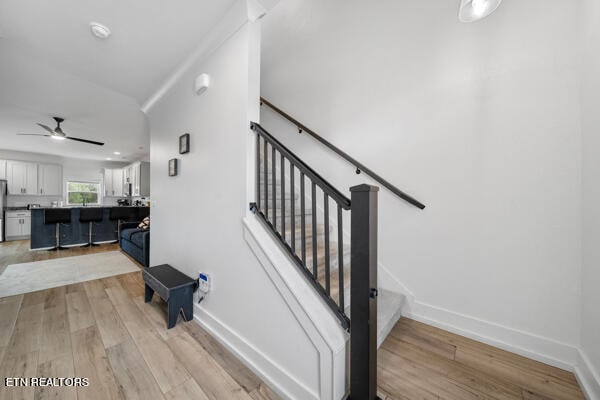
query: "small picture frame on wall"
184, 143
173, 167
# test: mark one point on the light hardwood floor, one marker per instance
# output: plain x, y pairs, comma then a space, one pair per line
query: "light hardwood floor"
103, 330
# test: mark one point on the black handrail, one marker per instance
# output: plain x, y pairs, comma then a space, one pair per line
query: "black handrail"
325, 186
359, 166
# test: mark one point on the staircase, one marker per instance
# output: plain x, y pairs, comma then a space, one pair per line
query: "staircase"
307, 216
389, 304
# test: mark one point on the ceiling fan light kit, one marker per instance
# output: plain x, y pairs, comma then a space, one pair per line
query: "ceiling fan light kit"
474, 10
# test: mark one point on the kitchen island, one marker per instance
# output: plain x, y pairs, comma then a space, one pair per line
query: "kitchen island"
43, 236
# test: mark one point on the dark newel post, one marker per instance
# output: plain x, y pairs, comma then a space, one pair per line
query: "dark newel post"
363, 292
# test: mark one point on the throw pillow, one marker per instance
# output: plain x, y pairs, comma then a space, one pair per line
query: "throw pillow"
145, 224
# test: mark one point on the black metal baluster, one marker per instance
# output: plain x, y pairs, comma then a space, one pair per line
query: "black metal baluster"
327, 261
292, 209
257, 171
314, 228
340, 256
266, 168
274, 188
282, 197
302, 218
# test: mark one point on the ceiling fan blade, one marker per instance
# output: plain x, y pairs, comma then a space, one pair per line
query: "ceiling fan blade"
46, 127
31, 134
85, 141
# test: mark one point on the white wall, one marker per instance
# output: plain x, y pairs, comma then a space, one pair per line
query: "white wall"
197, 215
590, 332
479, 121
73, 168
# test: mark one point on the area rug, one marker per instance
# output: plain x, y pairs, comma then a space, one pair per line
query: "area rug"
39, 275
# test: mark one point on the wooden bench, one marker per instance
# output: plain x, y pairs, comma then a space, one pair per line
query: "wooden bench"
172, 286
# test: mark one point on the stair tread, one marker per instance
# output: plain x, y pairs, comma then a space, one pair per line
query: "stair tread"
389, 311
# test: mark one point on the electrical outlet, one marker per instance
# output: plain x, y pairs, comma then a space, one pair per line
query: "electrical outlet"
204, 282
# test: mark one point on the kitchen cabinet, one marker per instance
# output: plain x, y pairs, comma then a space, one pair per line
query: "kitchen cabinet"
18, 224
21, 177
2, 169
138, 175
49, 180
113, 182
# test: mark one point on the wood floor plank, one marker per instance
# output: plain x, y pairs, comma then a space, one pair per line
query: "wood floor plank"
451, 372
33, 298
402, 389
463, 342
19, 365
79, 310
90, 361
167, 371
431, 344
9, 310
112, 330
156, 313
26, 334
55, 338
55, 297
263, 392
131, 284
528, 379
59, 367
189, 390
230, 363
132, 372
528, 395
432, 381
212, 378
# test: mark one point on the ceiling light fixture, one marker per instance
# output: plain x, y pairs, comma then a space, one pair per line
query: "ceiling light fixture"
108, 158
57, 137
99, 30
116, 153
474, 10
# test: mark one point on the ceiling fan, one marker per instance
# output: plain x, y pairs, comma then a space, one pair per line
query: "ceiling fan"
58, 134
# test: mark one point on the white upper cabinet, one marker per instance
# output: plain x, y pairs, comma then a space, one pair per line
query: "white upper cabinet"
138, 175
2, 169
49, 180
113, 182
21, 177
117, 179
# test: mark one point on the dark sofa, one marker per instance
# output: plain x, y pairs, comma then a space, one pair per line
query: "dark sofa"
135, 242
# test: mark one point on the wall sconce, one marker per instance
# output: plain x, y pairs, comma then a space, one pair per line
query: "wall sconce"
474, 10
201, 83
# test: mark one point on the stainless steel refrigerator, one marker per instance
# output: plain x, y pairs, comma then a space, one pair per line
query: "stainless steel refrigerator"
3, 191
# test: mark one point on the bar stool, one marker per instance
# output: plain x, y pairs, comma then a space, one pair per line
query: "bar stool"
57, 216
90, 215
119, 214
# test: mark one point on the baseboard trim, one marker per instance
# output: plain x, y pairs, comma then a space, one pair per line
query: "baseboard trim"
588, 378
548, 351
252, 357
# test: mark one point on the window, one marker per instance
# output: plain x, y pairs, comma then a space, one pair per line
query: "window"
80, 192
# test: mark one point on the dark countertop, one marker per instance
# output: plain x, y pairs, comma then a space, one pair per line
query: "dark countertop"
73, 207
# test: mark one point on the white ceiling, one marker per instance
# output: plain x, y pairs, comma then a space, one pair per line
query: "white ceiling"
52, 65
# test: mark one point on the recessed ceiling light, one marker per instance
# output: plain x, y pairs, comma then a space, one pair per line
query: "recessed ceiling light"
474, 10
116, 153
99, 30
108, 158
